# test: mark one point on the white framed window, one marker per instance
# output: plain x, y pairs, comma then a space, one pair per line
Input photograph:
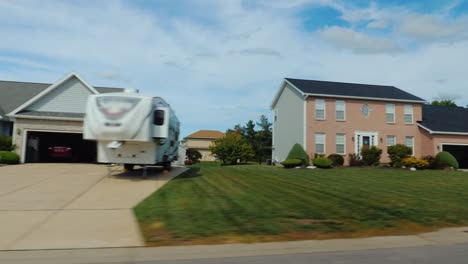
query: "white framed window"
340, 143
319, 109
409, 114
340, 108
390, 113
391, 141
320, 143
409, 141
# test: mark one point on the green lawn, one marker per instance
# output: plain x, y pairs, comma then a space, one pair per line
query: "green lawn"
247, 203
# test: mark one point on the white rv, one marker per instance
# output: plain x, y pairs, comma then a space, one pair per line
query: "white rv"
132, 129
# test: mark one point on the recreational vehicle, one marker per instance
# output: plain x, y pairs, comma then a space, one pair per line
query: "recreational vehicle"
132, 129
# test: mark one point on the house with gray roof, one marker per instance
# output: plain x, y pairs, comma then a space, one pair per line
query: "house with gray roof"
340, 118
41, 116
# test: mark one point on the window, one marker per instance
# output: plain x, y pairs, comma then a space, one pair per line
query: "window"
158, 117
409, 114
319, 109
340, 110
409, 141
391, 141
340, 143
320, 143
390, 110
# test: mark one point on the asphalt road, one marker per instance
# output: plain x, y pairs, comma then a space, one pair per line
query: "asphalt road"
453, 254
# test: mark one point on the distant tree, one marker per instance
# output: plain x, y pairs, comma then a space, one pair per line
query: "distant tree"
263, 140
444, 102
231, 149
193, 154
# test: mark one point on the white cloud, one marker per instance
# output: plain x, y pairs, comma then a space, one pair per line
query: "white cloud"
433, 28
358, 42
381, 23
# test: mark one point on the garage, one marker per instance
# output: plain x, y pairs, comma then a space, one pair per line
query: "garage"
59, 147
460, 152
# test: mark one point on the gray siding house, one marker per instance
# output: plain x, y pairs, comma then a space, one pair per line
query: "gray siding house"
40, 116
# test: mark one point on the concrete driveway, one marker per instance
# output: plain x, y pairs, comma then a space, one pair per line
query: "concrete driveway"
52, 206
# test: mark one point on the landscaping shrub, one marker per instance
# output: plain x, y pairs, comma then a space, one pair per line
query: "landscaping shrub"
447, 159
413, 162
322, 162
292, 163
297, 152
6, 143
354, 160
193, 155
7, 157
337, 159
398, 164
398, 152
434, 162
371, 155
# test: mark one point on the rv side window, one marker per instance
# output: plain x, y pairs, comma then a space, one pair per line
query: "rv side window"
158, 117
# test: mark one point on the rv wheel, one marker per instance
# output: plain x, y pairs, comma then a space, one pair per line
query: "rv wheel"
167, 165
129, 167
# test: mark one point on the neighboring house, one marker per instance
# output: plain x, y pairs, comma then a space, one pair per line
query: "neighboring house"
332, 117
41, 115
201, 140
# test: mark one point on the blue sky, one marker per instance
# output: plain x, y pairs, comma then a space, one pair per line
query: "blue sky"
219, 63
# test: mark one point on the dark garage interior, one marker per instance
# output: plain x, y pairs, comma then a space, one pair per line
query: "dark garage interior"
40, 147
460, 152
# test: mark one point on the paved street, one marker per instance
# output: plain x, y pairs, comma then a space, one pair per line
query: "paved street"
56, 206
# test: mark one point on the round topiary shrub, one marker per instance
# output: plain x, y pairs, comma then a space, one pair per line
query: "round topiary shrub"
322, 162
337, 159
7, 157
447, 159
292, 163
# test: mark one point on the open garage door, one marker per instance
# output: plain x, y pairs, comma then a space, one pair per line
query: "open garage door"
59, 147
460, 152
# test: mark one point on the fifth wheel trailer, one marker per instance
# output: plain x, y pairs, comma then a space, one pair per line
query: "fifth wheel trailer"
132, 129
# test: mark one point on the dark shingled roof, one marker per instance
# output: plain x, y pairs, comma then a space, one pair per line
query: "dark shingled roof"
14, 94
445, 118
352, 90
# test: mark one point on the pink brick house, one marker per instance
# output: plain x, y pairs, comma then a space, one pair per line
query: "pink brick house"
331, 117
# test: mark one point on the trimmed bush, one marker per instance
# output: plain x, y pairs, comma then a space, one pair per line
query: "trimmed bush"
7, 157
398, 152
371, 155
292, 163
322, 162
354, 160
413, 162
337, 159
447, 159
297, 152
6, 143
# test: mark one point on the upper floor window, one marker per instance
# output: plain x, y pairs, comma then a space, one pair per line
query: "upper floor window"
409, 114
390, 113
391, 141
340, 110
320, 143
409, 141
340, 143
319, 109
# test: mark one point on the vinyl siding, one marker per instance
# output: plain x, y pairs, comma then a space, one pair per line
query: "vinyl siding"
69, 97
288, 129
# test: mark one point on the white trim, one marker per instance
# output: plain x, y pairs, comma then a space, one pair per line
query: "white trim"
394, 113
25, 138
52, 87
394, 142
442, 132
412, 144
344, 143
366, 98
364, 133
305, 125
324, 143
454, 144
324, 109
412, 113
48, 118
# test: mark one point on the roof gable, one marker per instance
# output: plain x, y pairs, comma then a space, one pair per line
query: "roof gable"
352, 90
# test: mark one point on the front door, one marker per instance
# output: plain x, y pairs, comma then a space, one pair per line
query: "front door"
365, 139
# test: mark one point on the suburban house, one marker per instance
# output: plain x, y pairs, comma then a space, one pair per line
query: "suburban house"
332, 117
42, 115
201, 140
